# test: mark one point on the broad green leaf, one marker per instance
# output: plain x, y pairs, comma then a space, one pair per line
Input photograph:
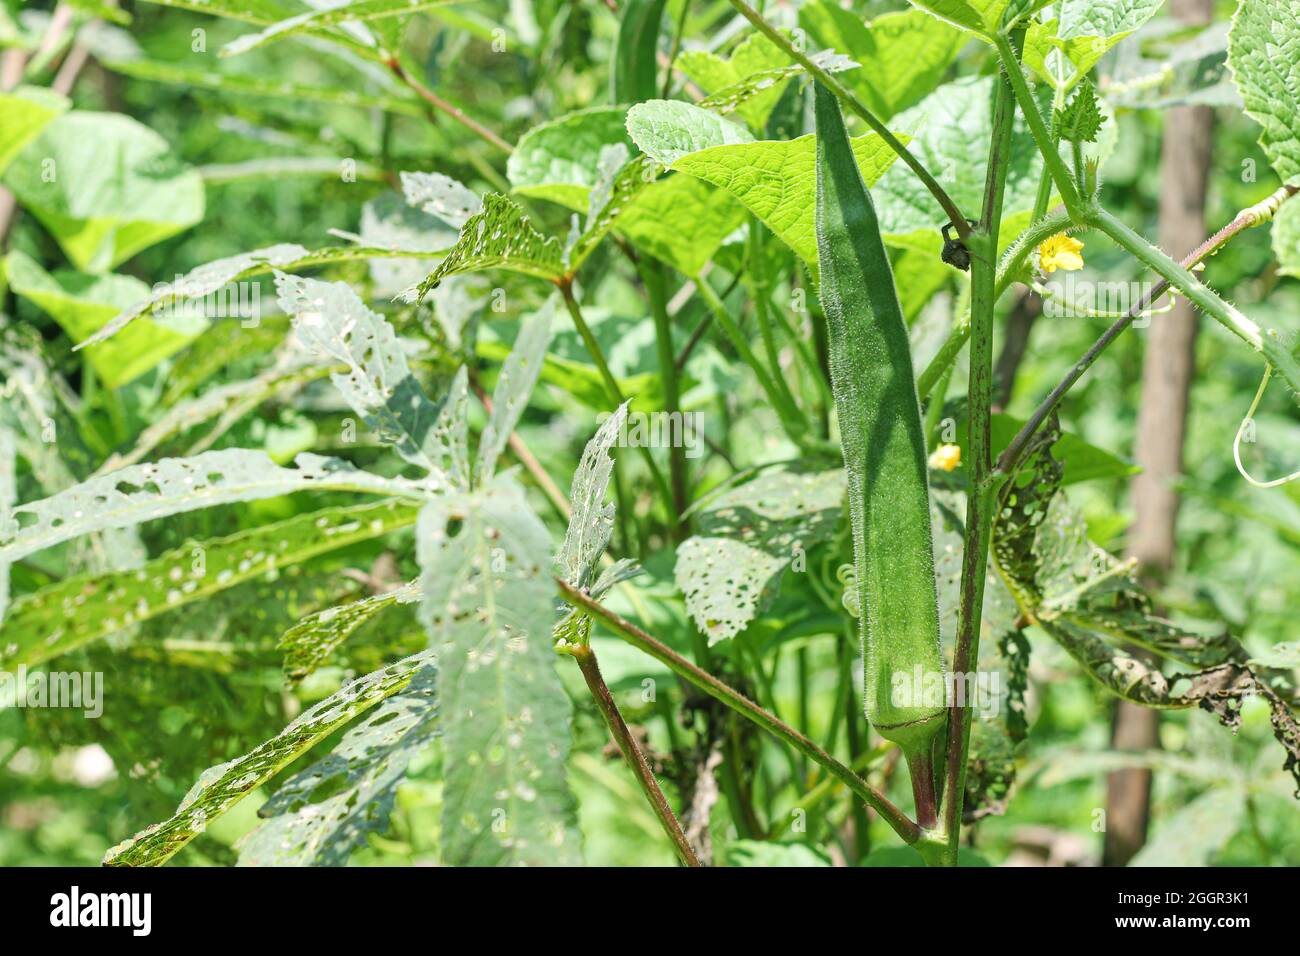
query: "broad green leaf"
883, 443
309, 643
1198, 831
499, 237
357, 11
984, 18
951, 128
105, 186
1193, 71
1284, 656
515, 384
776, 181
171, 486
652, 218
485, 563
332, 322
1080, 120
81, 304
1264, 56
903, 55
320, 816
773, 179
81, 609
1064, 49
222, 786
388, 220
746, 538
755, 55
559, 161
1082, 461
667, 130
241, 85
24, 112
633, 69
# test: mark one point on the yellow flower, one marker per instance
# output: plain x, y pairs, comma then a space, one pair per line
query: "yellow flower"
1060, 252
946, 457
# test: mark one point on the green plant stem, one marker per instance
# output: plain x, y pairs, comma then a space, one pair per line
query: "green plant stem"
1269, 342
1263, 212
941, 196
1038, 129
611, 386
742, 705
632, 753
979, 517
763, 314
652, 277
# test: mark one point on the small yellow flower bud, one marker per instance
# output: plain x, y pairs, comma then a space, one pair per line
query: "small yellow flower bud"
946, 457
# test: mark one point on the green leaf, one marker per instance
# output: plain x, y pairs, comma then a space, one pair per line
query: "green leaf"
591, 523
773, 179
1080, 120
442, 197
747, 537
667, 130
951, 128
559, 160
753, 60
652, 220
87, 607
211, 277
222, 786
633, 68
309, 643
81, 304
24, 112
320, 816
246, 11
984, 18
515, 384
1264, 56
882, 439
105, 186
485, 563
903, 55
171, 486
1064, 49
499, 237
748, 96
332, 322
241, 86
356, 11
761, 853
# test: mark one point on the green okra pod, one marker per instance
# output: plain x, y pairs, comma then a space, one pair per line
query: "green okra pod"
884, 452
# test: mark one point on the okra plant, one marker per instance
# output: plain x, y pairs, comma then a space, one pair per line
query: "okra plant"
720, 270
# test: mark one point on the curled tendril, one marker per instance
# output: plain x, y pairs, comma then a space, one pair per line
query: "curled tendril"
848, 577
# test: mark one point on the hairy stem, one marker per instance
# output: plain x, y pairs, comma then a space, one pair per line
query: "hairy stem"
1038, 129
941, 196
979, 517
742, 705
632, 753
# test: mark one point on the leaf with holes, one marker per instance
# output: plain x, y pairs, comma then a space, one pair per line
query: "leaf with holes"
485, 563
747, 537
